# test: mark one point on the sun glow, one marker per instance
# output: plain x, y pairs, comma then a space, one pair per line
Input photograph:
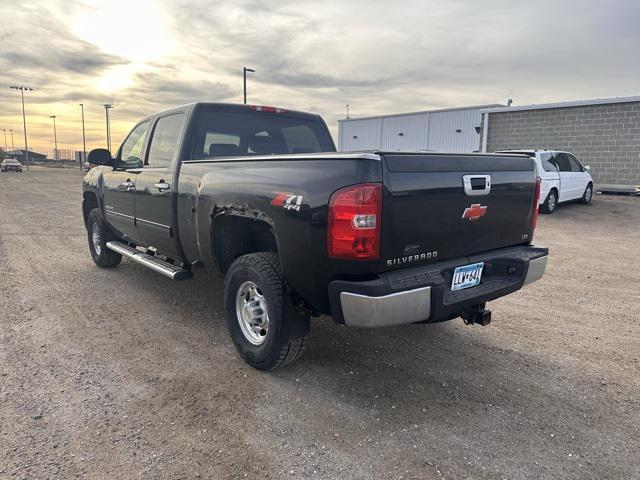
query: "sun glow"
137, 31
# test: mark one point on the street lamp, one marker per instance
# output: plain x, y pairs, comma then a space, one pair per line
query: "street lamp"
55, 138
11, 132
83, 158
244, 78
107, 107
22, 88
5, 139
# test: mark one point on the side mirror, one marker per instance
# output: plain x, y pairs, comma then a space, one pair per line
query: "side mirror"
100, 156
587, 168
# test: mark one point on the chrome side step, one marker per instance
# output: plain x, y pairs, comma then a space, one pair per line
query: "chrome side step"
157, 265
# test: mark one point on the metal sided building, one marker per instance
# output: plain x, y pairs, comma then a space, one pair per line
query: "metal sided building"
602, 133
454, 130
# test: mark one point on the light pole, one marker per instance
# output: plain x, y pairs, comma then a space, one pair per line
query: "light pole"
55, 138
83, 158
347, 105
244, 80
11, 131
22, 88
107, 107
5, 139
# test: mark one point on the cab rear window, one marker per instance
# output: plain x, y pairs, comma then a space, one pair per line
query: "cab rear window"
220, 134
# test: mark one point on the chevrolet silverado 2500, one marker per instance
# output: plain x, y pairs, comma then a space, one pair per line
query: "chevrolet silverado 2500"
373, 238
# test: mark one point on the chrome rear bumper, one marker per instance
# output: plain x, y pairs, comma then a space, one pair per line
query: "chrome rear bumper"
536, 269
433, 302
400, 308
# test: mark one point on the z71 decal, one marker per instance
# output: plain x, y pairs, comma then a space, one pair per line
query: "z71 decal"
288, 201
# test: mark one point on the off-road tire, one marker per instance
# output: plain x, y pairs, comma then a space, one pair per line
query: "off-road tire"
102, 256
550, 203
286, 337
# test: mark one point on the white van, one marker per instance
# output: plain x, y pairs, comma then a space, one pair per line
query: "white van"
564, 178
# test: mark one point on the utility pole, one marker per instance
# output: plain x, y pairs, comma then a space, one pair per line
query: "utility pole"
107, 107
83, 157
55, 138
22, 88
244, 81
11, 131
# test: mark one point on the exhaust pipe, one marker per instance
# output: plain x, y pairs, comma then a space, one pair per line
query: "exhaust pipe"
477, 315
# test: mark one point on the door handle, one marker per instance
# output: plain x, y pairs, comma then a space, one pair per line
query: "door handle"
128, 184
162, 186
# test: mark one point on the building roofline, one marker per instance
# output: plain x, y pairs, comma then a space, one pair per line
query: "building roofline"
577, 103
473, 107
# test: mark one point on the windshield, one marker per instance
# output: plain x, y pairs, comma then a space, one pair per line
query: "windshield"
12, 162
221, 134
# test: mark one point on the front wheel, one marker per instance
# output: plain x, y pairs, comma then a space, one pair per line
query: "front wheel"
99, 234
265, 328
587, 195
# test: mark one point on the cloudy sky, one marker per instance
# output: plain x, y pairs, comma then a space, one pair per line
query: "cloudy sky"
377, 56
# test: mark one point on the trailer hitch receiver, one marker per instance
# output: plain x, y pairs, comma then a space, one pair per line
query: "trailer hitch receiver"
477, 315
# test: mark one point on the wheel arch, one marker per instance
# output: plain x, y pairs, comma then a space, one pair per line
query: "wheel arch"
89, 202
233, 235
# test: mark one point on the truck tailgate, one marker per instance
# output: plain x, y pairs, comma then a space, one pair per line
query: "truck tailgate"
428, 214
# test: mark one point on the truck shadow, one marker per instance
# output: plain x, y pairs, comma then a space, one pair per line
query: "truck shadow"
445, 366
447, 362
431, 388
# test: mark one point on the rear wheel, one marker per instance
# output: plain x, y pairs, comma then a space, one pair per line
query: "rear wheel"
99, 234
265, 328
587, 195
550, 203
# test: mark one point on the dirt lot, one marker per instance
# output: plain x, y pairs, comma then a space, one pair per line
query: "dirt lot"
123, 374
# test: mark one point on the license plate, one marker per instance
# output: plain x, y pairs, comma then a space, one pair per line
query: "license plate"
467, 276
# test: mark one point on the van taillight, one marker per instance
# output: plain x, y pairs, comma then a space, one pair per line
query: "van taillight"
353, 227
536, 205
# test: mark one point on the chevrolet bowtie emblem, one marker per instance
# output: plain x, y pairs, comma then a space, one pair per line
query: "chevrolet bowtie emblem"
474, 212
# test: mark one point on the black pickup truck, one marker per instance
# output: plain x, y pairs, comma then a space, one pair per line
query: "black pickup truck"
373, 238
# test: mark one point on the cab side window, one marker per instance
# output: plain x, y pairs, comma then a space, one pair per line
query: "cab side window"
164, 141
131, 152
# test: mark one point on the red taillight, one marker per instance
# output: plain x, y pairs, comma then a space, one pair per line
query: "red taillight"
536, 205
353, 227
263, 108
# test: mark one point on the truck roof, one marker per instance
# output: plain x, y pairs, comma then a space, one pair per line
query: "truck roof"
239, 107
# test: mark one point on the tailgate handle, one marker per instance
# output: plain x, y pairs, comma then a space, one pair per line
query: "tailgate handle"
476, 184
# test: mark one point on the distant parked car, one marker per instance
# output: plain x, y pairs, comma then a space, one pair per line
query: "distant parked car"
9, 164
564, 178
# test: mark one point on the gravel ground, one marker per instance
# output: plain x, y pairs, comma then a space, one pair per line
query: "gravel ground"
123, 374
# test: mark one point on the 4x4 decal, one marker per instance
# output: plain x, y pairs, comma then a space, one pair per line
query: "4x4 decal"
287, 200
